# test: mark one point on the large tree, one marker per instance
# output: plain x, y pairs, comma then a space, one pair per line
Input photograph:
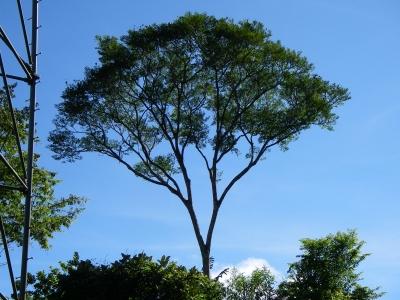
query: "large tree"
198, 84
49, 214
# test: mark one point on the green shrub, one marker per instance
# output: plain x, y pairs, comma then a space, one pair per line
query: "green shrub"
132, 277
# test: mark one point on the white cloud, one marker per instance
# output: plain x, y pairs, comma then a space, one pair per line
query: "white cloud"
246, 267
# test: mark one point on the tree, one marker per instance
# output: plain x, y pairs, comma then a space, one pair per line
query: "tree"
132, 277
327, 270
198, 84
258, 286
48, 213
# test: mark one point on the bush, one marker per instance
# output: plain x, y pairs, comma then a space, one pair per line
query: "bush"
132, 277
326, 270
259, 285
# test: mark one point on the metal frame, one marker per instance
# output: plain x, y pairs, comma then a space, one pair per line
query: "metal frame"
29, 67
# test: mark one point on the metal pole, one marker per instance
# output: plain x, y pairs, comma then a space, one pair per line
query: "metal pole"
24, 65
11, 188
14, 121
2, 297
32, 108
15, 77
22, 20
7, 164
5, 246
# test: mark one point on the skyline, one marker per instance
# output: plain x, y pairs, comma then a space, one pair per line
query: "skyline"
325, 182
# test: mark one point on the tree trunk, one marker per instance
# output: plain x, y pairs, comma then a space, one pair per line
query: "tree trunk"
205, 255
205, 247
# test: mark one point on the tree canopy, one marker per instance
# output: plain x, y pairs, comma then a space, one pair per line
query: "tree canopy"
136, 277
259, 285
201, 84
327, 269
48, 213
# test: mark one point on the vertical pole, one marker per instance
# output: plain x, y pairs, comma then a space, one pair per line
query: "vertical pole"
14, 121
22, 20
5, 246
2, 297
31, 138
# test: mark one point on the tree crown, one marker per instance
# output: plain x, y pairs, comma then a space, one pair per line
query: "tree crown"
209, 83
327, 269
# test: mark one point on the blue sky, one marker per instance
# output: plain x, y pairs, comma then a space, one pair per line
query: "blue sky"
326, 182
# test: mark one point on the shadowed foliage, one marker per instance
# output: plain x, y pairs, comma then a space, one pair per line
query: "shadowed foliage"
326, 270
132, 277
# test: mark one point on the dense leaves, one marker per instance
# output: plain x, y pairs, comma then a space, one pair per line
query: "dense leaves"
259, 285
199, 83
48, 213
176, 82
327, 269
132, 277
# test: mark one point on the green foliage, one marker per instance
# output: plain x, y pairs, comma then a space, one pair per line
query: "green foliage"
199, 83
175, 81
258, 286
48, 213
327, 270
132, 277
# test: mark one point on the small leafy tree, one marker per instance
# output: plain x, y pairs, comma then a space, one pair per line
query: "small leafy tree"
132, 277
48, 213
327, 269
260, 285
198, 84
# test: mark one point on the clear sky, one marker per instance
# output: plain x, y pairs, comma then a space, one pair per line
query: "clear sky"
326, 182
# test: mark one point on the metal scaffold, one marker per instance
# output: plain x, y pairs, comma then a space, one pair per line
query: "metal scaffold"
22, 174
